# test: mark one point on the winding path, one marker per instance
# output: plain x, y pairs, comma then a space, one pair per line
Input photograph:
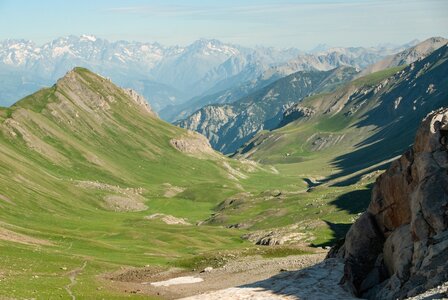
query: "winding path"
72, 276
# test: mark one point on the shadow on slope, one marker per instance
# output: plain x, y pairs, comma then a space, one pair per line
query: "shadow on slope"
338, 231
386, 143
353, 202
360, 172
396, 112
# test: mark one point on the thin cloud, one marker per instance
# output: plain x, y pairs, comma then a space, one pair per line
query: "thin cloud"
159, 10
169, 10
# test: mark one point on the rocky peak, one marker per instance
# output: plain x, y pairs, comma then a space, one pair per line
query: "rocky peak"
399, 247
95, 91
207, 45
421, 50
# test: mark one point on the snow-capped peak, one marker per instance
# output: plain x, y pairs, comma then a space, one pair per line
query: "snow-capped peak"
86, 37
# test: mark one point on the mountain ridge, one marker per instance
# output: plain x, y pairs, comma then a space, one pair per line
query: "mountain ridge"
374, 116
407, 56
229, 126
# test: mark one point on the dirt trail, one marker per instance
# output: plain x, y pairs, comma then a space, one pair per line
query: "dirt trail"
12, 236
72, 276
236, 274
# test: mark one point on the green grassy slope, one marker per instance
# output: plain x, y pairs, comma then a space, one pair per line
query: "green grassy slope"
64, 150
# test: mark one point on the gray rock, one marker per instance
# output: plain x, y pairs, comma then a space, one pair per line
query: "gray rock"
207, 270
397, 252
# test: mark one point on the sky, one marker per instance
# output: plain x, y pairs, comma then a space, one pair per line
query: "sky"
302, 24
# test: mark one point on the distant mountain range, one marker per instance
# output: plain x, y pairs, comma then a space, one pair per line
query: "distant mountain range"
407, 56
258, 75
164, 75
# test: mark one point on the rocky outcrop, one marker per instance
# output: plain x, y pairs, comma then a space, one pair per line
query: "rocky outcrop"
118, 199
294, 112
194, 144
210, 121
399, 247
140, 100
279, 236
168, 219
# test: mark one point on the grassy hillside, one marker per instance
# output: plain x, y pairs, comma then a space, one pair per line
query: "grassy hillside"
366, 122
296, 141
82, 165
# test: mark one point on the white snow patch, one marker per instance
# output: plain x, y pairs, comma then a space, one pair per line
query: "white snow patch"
86, 37
397, 102
58, 51
16, 46
120, 57
177, 280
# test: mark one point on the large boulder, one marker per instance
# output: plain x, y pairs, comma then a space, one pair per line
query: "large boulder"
399, 247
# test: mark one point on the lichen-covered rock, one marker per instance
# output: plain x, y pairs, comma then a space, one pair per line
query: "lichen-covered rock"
399, 247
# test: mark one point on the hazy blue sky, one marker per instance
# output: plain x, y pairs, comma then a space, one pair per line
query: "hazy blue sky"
300, 23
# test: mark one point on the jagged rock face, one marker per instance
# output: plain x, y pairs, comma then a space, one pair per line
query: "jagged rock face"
399, 246
140, 100
295, 112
